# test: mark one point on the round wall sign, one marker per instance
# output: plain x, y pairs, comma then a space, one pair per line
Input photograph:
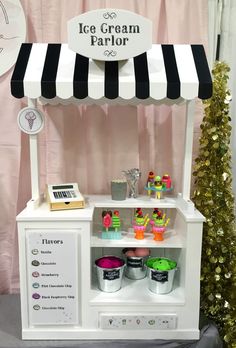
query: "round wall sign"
30, 120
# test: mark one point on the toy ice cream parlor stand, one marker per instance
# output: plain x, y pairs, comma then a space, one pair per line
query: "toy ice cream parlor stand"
76, 281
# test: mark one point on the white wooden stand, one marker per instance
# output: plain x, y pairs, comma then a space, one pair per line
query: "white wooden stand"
59, 294
93, 310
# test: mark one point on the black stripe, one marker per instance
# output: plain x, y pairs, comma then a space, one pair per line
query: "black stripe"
172, 75
80, 79
218, 47
48, 81
141, 76
111, 87
203, 73
17, 85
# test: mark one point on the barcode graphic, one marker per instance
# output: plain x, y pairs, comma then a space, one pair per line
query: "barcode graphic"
64, 194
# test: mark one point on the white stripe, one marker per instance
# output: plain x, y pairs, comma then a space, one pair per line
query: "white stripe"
65, 73
187, 71
34, 70
157, 73
96, 79
126, 79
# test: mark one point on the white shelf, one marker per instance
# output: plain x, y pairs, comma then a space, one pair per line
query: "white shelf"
136, 292
171, 240
187, 211
43, 213
141, 201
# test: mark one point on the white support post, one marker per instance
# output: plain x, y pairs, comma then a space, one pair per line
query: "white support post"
34, 164
187, 165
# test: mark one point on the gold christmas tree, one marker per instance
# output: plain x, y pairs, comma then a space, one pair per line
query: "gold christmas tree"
214, 199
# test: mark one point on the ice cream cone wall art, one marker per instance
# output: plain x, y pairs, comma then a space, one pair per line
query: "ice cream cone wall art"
12, 32
30, 120
30, 117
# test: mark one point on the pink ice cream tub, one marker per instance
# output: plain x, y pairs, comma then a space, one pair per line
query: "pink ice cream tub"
109, 271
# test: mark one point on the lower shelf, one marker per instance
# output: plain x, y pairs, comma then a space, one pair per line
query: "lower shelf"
136, 292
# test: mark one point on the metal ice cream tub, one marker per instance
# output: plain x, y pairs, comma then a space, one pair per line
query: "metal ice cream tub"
109, 279
160, 281
136, 267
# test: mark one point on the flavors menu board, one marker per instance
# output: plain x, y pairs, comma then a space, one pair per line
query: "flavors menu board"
52, 277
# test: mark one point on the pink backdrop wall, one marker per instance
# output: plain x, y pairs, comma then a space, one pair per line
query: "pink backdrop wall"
91, 145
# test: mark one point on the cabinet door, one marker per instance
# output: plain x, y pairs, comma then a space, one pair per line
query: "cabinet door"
52, 274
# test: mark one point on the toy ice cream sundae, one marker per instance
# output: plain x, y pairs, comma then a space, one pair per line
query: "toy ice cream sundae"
159, 223
156, 185
140, 223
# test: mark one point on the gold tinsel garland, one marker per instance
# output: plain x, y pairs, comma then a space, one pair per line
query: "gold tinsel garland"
213, 197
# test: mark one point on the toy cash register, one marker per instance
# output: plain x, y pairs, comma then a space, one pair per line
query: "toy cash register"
64, 196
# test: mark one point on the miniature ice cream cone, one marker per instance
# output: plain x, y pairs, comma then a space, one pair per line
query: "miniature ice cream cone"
150, 182
158, 187
166, 180
159, 224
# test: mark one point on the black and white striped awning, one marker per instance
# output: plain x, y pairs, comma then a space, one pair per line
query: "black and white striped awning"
166, 71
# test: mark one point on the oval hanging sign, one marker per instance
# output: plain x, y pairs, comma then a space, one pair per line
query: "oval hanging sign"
109, 34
